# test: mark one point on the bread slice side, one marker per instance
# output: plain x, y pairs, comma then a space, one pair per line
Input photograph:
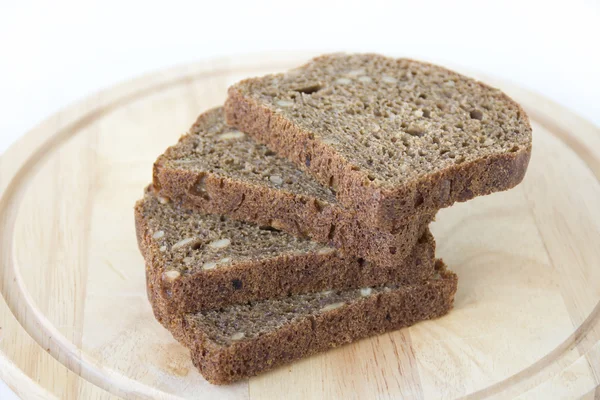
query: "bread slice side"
240, 341
392, 137
220, 170
202, 262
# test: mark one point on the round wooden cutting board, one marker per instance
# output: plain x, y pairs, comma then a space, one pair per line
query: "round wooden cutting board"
75, 321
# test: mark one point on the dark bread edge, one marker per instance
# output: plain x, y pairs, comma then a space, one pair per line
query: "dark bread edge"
275, 277
381, 207
298, 215
383, 312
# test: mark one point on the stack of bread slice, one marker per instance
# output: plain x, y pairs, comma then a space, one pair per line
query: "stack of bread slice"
295, 218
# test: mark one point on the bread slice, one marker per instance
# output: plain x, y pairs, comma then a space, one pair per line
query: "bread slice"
392, 137
243, 340
204, 262
220, 170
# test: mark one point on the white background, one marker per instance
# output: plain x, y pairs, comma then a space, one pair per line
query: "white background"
53, 53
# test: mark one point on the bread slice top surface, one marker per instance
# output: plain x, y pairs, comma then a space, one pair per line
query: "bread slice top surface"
397, 120
242, 322
190, 241
212, 146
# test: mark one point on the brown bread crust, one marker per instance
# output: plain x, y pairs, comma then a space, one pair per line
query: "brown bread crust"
278, 276
376, 314
377, 205
300, 214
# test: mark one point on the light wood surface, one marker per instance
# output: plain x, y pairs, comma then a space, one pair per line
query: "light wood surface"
75, 321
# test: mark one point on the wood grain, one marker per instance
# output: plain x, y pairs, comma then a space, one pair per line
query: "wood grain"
75, 319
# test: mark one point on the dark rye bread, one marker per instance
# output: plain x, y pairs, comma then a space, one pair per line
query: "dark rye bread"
220, 170
392, 137
205, 261
243, 340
